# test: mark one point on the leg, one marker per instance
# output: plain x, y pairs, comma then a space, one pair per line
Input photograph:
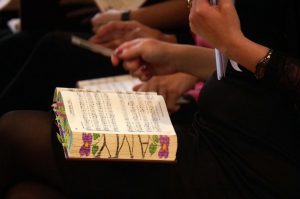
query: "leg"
14, 50
54, 62
30, 152
32, 190
26, 150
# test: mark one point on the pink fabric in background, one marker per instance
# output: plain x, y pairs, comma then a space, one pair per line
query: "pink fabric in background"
196, 91
201, 42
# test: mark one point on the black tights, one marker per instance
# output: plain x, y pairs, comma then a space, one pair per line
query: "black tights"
28, 166
32, 161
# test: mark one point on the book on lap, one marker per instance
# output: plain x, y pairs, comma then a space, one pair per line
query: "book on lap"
114, 125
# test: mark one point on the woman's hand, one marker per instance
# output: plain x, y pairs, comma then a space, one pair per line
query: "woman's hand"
115, 33
145, 58
220, 26
102, 18
217, 24
171, 87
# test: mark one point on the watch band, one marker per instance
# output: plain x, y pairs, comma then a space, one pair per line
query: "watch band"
125, 16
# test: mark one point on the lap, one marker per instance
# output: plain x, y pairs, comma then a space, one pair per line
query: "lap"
38, 153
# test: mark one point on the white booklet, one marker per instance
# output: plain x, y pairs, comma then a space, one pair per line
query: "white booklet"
3, 3
221, 59
96, 48
119, 4
116, 83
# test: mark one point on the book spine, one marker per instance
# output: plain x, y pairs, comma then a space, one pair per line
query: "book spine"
123, 146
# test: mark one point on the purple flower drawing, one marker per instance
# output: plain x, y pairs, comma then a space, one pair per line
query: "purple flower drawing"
86, 147
164, 149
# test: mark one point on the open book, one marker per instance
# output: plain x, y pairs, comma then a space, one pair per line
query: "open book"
114, 125
119, 4
116, 83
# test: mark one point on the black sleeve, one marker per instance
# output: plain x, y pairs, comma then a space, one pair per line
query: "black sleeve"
284, 70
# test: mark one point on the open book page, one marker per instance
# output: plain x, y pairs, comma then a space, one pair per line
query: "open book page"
116, 112
3, 3
119, 4
117, 83
108, 125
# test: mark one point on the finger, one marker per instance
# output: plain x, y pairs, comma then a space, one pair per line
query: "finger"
132, 50
146, 75
115, 60
115, 26
128, 44
173, 109
138, 87
172, 99
134, 34
162, 91
132, 65
94, 20
141, 74
106, 37
112, 44
115, 57
133, 46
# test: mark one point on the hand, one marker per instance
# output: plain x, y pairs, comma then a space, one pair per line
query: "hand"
102, 18
145, 58
115, 33
217, 24
171, 87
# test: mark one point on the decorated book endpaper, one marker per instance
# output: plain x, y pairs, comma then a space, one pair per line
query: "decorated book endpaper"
114, 125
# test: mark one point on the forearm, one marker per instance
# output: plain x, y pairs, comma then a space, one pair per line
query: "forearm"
245, 52
194, 60
168, 14
281, 70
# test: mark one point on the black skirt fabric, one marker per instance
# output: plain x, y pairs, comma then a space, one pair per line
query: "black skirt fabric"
243, 144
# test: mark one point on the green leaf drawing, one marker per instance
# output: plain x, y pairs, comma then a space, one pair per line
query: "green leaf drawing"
155, 138
95, 148
152, 148
96, 136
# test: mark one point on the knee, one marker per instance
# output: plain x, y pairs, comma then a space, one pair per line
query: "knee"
9, 123
6, 123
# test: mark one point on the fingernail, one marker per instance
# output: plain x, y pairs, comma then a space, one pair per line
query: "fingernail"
118, 52
145, 68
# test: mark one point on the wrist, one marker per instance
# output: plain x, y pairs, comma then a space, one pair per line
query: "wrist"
246, 52
261, 66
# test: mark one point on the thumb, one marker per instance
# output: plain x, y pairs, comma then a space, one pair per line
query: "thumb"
130, 50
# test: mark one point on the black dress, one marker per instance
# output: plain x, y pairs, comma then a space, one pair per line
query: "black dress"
244, 140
